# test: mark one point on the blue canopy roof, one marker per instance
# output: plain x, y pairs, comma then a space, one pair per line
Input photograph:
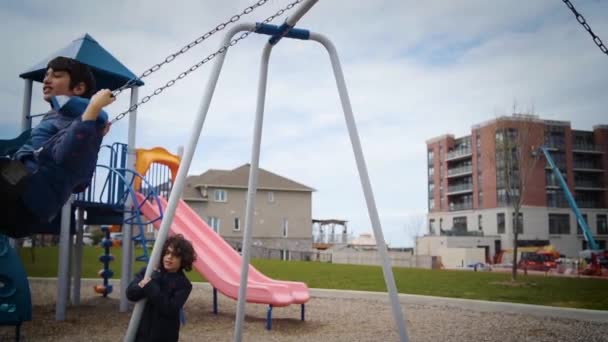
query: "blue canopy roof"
109, 72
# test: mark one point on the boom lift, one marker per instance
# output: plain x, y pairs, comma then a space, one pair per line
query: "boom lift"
593, 253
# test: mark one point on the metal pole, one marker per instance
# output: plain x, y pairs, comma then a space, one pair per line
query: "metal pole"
252, 188
26, 121
64, 262
77, 258
365, 183
127, 229
183, 172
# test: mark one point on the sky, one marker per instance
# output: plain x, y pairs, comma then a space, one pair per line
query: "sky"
414, 70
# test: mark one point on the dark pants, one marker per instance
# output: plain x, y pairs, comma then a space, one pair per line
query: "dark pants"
15, 219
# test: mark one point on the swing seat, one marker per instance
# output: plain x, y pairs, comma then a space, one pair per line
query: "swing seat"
10, 146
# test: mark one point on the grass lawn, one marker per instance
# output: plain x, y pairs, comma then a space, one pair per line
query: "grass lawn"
493, 286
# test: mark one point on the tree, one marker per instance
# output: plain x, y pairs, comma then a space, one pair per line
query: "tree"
414, 228
516, 138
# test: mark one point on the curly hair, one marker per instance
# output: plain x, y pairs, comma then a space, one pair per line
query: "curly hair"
182, 248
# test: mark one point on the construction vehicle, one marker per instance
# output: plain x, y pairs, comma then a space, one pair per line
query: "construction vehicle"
595, 257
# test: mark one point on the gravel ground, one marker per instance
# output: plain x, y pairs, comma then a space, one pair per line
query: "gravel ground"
328, 318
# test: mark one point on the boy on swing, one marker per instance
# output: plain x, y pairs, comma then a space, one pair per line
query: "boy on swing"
61, 155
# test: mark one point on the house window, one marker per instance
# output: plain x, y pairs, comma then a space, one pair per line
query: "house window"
579, 229
520, 223
237, 224
285, 227
500, 223
270, 196
214, 222
602, 224
220, 195
559, 224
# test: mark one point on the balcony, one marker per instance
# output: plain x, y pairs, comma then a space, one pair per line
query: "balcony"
457, 232
587, 148
461, 188
589, 204
459, 153
588, 185
461, 206
460, 171
554, 144
587, 166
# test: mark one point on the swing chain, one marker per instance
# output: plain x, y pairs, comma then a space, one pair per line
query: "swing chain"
211, 56
190, 45
582, 21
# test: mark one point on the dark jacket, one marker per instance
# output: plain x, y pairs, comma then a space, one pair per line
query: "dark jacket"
61, 157
166, 294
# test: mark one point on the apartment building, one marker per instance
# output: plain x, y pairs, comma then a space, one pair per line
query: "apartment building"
283, 208
467, 193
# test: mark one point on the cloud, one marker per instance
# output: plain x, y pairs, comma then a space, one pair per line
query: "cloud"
414, 70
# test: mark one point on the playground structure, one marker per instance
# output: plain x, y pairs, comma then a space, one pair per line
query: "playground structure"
286, 30
15, 299
105, 273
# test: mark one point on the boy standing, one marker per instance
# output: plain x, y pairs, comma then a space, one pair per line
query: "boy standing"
167, 291
61, 155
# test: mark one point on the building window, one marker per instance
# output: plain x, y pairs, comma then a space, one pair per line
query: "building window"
480, 200
480, 222
559, 224
270, 196
285, 255
237, 224
214, 222
432, 226
285, 227
602, 224
460, 224
520, 222
579, 229
500, 223
556, 199
431, 157
441, 223
431, 204
601, 244
220, 195
501, 195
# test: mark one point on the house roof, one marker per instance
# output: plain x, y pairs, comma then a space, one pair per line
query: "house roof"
239, 178
109, 72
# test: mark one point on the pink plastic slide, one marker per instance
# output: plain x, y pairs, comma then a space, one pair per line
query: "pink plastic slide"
220, 264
